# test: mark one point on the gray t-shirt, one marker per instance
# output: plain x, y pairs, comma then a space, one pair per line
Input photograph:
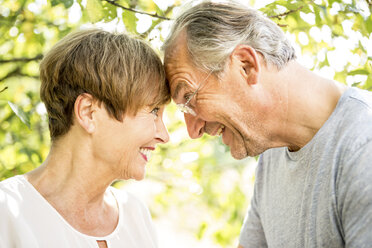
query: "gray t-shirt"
321, 195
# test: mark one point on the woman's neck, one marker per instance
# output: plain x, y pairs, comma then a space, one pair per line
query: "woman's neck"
77, 189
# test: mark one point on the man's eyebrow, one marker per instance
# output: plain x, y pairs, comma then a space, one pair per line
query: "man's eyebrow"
179, 87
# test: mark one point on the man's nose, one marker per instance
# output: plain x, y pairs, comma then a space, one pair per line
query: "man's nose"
195, 126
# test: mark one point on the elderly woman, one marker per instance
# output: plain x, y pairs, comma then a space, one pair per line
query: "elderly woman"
105, 95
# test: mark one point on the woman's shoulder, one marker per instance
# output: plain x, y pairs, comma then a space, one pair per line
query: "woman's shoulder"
12, 186
12, 193
11, 181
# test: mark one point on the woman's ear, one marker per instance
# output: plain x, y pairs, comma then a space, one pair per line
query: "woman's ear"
248, 61
83, 110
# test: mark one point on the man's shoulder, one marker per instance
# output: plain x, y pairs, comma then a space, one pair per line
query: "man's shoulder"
352, 125
362, 96
356, 104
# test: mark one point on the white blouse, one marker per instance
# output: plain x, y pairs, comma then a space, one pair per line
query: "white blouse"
28, 220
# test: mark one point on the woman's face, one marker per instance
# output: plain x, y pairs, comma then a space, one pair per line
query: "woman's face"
125, 146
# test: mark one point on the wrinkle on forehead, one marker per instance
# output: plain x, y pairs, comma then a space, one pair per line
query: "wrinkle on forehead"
178, 67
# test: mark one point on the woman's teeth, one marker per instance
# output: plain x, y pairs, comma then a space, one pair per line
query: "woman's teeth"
146, 152
220, 130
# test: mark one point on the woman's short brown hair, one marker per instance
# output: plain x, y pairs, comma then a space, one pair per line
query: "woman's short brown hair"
121, 72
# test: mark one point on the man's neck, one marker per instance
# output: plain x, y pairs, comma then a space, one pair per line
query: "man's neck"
309, 101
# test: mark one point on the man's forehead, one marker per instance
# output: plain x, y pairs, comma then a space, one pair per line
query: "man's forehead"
179, 69
177, 46
176, 56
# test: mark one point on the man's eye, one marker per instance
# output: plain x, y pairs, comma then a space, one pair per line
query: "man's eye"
188, 96
155, 111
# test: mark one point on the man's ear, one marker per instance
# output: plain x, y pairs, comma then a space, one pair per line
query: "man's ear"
83, 110
248, 61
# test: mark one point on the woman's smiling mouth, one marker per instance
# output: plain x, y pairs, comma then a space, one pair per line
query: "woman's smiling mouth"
146, 152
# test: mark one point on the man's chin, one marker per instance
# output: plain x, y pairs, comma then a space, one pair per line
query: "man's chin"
241, 153
238, 155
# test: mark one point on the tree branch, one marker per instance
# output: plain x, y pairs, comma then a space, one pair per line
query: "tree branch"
113, 2
6, 87
38, 57
279, 16
154, 23
17, 73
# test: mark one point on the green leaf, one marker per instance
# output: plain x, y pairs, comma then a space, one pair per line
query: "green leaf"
130, 19
125, 3
282, 3
306, 9
159, 11
362, 47
109, 11
368, 24
368, 84
20, 113
269, 9
358, 72
67, 3
94, 10
294, 5
337, 30
352, 8
318, 19
55, 2
202, 228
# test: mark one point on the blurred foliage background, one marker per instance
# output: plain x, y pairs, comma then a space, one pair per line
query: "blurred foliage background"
197, 193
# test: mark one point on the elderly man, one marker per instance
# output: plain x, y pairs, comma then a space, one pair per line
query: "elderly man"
233, 73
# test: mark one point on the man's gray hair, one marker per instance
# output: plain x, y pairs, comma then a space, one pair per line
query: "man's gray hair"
213, 30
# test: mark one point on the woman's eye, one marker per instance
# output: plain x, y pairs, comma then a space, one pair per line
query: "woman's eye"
155, 111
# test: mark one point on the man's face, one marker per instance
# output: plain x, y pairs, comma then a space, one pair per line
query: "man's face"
223, 107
